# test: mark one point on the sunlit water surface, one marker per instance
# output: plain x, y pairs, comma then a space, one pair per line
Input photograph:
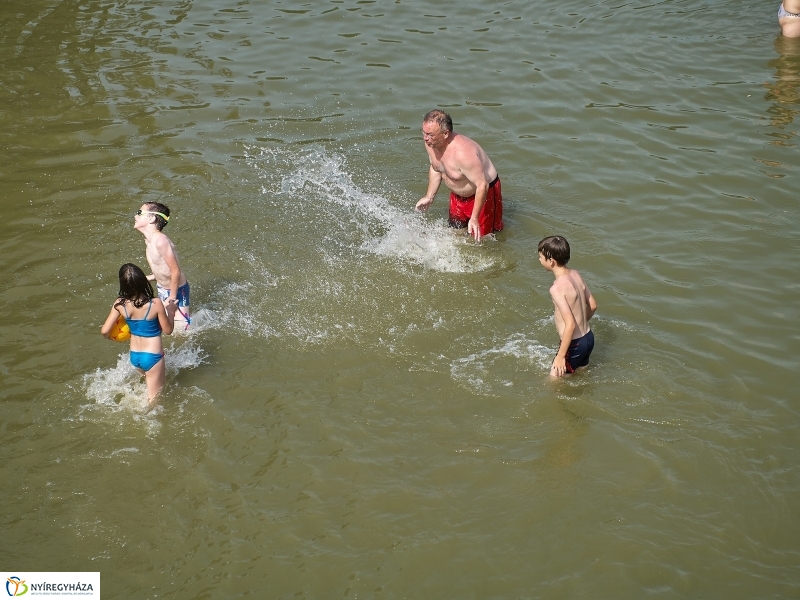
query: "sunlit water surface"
362, 408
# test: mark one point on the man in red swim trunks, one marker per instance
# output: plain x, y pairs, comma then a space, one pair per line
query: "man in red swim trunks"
476, 201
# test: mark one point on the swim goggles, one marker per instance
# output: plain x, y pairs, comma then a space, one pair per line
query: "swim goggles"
152, 212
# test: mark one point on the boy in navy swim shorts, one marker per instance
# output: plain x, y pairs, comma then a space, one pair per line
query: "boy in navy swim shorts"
574, 306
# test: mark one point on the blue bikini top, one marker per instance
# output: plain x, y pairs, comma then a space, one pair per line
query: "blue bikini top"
143, 327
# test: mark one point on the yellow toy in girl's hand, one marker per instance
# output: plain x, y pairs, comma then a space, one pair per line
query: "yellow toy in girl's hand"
120, 332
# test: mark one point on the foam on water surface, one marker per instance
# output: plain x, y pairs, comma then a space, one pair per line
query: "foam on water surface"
122, 387
486, 371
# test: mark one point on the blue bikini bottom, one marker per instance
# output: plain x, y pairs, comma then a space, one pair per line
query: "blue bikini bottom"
145, 360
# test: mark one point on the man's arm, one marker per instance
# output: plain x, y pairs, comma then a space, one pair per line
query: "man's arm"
562, 306
434, 181
474, 225
472, 168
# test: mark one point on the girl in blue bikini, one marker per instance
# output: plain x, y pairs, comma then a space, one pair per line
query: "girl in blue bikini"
147, 319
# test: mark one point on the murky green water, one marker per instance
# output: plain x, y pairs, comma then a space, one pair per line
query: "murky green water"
363, 410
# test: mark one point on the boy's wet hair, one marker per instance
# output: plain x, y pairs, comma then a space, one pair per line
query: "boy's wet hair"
439, 117
160, 221
134, 286
555, 247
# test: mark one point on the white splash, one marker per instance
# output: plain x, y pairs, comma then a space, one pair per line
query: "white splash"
120, 387
483, 371
123, 387
314, 175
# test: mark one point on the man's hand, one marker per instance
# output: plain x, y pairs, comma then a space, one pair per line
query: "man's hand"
474, 229
424, 204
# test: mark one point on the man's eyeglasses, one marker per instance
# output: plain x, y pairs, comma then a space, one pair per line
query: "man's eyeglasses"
140, 212
425, 134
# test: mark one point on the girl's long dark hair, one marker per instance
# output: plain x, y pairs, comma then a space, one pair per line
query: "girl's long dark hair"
133, 286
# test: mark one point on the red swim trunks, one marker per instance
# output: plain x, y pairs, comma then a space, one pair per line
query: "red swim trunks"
491, 217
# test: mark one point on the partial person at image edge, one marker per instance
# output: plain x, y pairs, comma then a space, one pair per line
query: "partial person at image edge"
789, 18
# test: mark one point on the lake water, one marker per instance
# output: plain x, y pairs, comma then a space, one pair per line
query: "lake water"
362, 408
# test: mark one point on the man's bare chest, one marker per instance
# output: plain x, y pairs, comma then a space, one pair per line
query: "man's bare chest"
449, 171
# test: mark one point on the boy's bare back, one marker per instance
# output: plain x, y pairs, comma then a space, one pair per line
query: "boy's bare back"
570, 293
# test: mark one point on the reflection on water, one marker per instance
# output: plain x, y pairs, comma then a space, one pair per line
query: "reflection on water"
784, 91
